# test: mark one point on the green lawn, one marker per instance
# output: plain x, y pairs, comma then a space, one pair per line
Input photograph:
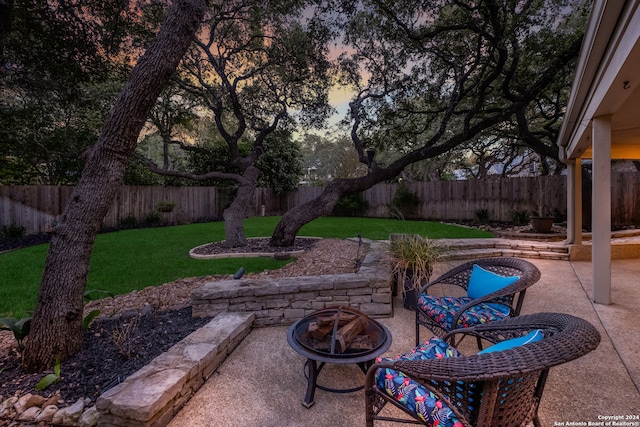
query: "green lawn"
134, 259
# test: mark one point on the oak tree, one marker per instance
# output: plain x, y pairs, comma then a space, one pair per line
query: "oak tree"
258, 68
431, 76
57, 320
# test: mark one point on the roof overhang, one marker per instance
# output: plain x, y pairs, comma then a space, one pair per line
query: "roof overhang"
607, 82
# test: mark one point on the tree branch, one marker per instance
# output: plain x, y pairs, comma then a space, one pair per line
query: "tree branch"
153, 167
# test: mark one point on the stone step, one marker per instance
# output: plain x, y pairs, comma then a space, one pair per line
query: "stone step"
155, 393
561, 249
504, 244
496, 252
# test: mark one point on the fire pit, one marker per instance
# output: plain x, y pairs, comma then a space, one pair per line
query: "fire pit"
337, 335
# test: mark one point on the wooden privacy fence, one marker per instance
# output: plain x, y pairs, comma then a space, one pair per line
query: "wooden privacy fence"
460, 200
37, 207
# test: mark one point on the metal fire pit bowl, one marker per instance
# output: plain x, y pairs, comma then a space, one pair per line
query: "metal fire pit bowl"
371, 341
328, 349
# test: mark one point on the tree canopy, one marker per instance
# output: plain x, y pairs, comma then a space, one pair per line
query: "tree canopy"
60, 71
256, 70
438, 75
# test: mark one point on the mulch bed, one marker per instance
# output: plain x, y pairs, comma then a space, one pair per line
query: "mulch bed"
105, 360
257, 245
112, 350
22, 242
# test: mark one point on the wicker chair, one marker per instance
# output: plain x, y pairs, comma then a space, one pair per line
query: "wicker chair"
500, 388
443, 314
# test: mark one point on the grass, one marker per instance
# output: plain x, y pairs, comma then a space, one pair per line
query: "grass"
134, 259
381, 228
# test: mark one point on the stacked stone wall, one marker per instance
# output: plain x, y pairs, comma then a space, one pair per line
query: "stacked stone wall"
286, 300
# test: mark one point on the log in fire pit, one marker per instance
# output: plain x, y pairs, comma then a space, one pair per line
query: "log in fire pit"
337, 335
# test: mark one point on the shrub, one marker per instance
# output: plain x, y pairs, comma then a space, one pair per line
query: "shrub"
165, 206
11, 232
520, 217
416, 253
483, 216
127, 222
405, 203
152, 219
559, 216
350, 205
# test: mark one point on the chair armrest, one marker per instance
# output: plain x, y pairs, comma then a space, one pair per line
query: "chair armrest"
424, 289
458, 277
495, 335
573, 335
519, 285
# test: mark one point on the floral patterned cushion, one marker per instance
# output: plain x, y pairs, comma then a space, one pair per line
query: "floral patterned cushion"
442, 310
412, 395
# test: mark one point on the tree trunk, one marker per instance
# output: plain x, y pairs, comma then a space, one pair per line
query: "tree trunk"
293, 220
235, 214
56, 327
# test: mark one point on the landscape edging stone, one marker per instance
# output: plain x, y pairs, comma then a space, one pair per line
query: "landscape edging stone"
155, 393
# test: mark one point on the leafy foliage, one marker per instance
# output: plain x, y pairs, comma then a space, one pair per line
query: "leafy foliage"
256, 70
483, 216
328, 158
350, 205
52, 110
50, 378
404, 203
13, 231
437, 75
19, 327
520, 217
415, 253
281, 163
86, 321
165, 206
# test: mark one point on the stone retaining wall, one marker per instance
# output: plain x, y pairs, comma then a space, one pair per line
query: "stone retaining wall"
286, 300
154, 394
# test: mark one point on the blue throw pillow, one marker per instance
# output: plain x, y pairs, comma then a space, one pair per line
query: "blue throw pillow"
532, 336
483, 282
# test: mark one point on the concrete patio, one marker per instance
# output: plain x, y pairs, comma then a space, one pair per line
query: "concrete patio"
262, 382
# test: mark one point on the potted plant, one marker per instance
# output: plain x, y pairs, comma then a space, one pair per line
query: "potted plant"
412, 260
541, 221
165, 206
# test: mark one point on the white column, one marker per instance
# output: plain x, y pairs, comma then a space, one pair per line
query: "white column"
601, 210
574, 202
577, 202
